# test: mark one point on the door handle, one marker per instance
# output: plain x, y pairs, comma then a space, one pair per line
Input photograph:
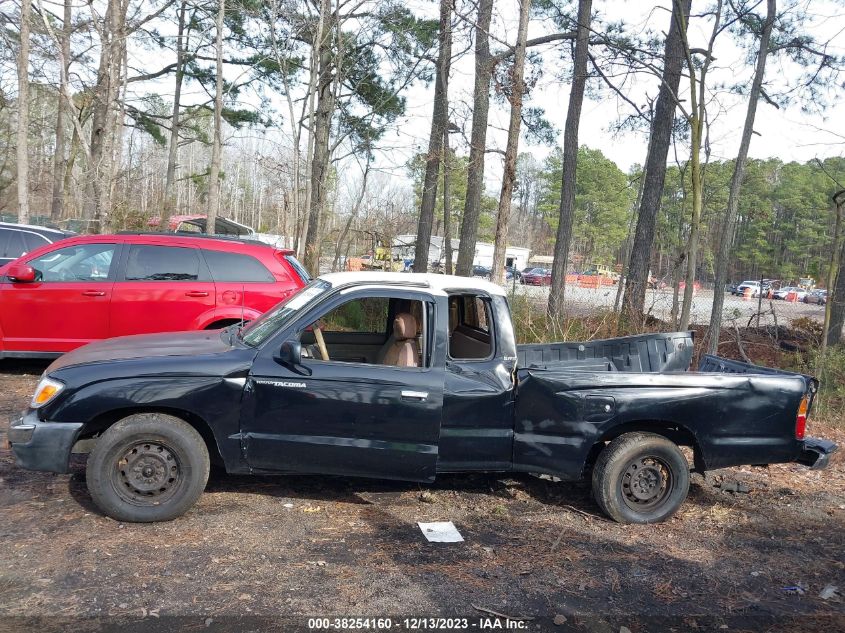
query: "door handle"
414, 395
94, 293
196, 293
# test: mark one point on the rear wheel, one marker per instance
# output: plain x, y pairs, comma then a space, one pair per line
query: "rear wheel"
147, 467
640, 478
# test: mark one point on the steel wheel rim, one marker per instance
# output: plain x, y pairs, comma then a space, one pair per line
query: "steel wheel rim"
646, 483
147, 473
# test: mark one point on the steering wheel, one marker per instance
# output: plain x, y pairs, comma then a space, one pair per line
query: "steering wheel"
66, 275
321, 343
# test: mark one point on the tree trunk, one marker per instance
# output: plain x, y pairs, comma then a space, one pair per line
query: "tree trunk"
831, 282
509, 176
478, 139
23, 114
696, 128
173, 149
103, 117
836, 299
729, 226
322, 122
570, 160
217, 143
439, 126
660, 138
60, 162
447, 203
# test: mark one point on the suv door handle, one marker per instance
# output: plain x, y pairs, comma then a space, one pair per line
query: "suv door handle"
414, 395
196, 293
94, 293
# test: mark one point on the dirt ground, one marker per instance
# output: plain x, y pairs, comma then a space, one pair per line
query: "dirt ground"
261, 553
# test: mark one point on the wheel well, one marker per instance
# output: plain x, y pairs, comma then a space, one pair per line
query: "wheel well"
216, 325
672, 431
105, 420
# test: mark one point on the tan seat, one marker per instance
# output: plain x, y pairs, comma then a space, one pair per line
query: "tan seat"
403, 351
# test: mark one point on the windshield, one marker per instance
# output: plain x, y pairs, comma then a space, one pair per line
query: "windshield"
270, 322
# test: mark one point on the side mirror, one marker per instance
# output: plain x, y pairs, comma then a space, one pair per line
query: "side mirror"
291, 353
21, 273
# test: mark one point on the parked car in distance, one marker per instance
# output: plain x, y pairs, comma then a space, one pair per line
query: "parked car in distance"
784, 292
482, 271
19, 239
537, 277
816, 296
406, 376
91, 287
753, 285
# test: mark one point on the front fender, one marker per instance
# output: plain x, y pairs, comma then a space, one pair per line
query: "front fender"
210, 401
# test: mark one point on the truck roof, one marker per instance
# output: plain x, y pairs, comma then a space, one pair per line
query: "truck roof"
418, 280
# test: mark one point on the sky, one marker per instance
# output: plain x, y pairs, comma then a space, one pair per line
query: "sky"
787, 133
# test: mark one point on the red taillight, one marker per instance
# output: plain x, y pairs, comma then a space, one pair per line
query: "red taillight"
801, 419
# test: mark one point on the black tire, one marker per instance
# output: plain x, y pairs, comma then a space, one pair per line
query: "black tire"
147, 467
640, 478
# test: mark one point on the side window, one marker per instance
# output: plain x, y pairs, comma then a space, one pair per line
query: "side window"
34, 241
371, 330
359, 315
16, 246
236, 267
162, 263
4, 240
83, 262
470, 337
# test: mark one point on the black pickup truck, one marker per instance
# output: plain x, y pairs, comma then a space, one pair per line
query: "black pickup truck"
404, 376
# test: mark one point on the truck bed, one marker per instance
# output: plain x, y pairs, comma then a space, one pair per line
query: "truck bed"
649, 353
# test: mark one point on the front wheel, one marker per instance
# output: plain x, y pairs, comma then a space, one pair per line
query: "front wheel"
147, 467
640, 478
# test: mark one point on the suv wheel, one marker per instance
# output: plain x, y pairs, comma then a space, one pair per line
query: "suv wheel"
147, 467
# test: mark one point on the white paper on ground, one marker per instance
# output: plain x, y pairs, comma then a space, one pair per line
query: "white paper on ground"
441, 532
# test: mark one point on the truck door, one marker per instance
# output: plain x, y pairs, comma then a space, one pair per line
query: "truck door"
371, 409
477, 431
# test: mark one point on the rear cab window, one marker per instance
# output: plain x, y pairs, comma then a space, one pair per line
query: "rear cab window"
470, 335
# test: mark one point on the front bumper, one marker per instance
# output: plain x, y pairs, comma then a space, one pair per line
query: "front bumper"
816, 452
41, 445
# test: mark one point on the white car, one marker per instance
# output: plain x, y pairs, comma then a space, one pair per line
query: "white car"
783, 292
754, 285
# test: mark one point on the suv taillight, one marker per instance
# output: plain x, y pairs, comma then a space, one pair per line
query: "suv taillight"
801, 418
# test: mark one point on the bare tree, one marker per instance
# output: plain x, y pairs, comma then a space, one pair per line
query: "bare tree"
173, 148
633, 302
439, 128
570, 159
216, 145
478, 138
321, 127
696, 117
728, 227
23, 114
59, 159
517, 90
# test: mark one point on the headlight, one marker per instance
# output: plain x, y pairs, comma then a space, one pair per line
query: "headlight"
46, 390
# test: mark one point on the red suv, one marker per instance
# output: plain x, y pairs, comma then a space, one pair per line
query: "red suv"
64, 295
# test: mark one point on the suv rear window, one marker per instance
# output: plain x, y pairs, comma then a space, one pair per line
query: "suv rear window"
236, 267
162, 263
